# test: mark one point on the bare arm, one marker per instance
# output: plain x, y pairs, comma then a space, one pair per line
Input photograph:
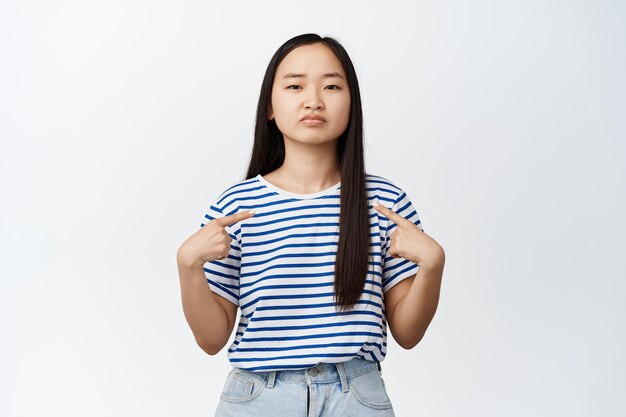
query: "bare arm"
414, 305
210, 316
207, 317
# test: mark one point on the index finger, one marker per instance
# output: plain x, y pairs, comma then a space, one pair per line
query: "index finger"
390, 214
234, 218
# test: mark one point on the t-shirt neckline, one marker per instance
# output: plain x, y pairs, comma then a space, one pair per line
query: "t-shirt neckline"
286, 193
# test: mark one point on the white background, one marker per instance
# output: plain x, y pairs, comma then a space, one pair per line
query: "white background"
503, 121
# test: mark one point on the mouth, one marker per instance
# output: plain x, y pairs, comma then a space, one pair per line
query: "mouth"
312, 116
312, 122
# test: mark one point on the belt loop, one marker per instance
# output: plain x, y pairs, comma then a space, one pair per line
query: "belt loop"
342, 376
378, 364
271, 378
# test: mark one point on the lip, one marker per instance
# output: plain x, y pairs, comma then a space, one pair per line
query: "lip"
313, 117
312, 122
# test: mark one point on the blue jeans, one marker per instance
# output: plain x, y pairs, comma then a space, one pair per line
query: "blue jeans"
352, 388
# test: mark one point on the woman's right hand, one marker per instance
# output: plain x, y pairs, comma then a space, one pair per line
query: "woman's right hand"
211, 242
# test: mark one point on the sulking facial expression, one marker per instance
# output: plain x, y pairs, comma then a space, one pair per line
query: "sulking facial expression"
310, 80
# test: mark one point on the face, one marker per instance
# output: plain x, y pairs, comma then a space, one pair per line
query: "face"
310, 80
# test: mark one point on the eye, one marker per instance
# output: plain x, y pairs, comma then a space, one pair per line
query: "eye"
295, 85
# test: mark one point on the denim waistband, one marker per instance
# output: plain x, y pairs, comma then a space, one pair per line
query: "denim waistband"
323, 372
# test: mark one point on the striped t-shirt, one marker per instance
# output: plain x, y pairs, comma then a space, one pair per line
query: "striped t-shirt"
280, 272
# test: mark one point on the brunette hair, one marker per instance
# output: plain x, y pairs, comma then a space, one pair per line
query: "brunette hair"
268, 154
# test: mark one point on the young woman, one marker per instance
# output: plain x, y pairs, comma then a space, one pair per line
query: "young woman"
317, 268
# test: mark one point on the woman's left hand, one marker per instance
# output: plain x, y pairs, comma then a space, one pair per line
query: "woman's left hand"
410, 242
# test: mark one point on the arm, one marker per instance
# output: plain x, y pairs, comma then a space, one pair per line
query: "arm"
210, 316
412, 303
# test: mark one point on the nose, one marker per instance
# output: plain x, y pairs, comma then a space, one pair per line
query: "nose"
314, 104
313, 101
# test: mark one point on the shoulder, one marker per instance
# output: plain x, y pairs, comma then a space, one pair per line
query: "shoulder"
383, 188
392, 195
230, 194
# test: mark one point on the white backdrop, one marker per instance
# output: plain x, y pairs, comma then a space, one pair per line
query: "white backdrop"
503, 121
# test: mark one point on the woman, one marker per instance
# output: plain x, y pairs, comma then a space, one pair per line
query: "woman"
317, 268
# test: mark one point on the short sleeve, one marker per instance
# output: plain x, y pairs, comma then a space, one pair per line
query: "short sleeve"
223, 274
398, 269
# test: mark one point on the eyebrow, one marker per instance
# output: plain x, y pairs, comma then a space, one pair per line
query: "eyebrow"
298, 75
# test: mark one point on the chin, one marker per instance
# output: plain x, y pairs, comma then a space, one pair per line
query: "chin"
318, 141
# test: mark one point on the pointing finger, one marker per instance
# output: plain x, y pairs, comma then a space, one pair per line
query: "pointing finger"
390, 214
234, 218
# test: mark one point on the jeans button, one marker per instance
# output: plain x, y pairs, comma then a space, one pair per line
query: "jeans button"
313, 371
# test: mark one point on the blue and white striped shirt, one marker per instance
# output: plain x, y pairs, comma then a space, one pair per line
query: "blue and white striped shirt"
280, 272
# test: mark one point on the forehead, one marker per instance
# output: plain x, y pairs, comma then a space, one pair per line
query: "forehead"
311, 60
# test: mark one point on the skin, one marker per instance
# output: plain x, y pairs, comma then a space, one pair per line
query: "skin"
310, 166
311, 163
411, 304
210, 316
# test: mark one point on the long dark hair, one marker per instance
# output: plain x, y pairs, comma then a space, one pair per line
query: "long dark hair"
268, 154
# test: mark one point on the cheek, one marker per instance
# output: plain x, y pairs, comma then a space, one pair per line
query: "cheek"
284, 105
345, 110
345, 105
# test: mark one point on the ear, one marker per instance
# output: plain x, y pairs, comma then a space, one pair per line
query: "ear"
270, 113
